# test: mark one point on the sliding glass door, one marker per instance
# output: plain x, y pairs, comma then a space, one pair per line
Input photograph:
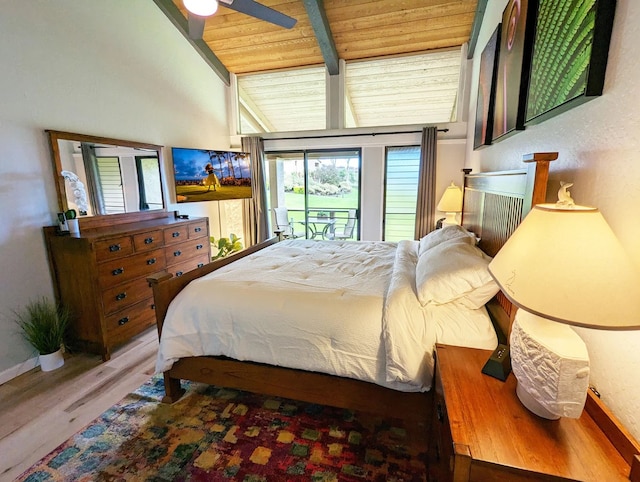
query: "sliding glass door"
320, 189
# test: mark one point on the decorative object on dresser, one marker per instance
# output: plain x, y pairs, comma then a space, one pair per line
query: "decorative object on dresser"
481, 432
563, 264
451, 204
100, 273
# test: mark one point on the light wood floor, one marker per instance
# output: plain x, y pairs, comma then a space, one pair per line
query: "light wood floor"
39, 411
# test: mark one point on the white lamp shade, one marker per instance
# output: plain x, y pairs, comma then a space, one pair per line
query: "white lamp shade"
565, 264
451, 201
203, 8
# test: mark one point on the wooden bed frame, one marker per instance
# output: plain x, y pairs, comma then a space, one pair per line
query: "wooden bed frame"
495, 203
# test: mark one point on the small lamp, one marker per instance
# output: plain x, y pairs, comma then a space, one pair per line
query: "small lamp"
451, 204
562, 266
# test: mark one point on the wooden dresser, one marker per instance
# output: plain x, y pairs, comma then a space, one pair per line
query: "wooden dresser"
100, 274
481, 432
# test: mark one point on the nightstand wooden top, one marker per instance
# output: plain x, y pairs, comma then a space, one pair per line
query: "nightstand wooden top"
489, 424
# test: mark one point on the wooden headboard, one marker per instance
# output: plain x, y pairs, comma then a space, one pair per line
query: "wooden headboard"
494, 205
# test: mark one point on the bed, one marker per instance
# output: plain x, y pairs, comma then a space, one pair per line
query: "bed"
345, 365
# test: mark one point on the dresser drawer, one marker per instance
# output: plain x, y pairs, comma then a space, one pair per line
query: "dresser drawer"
147, 241
181, 268
113, 273
198, 229
126, 294
176, 234
178, 253
113, 248
132, 320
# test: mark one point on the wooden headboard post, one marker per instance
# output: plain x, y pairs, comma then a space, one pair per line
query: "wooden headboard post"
494, 205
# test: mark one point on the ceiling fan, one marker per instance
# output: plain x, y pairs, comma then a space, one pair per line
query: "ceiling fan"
199, 10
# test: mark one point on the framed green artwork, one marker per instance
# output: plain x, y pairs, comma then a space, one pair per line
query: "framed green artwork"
569, 59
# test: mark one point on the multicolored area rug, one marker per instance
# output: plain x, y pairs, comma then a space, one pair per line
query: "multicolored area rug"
218, 434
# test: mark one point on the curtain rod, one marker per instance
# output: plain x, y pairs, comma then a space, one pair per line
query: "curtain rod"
373, 134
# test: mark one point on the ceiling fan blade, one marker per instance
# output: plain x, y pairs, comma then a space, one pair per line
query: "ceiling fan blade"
196, 26
257, 10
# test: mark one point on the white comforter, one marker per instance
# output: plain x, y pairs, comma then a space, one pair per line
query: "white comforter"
343, 308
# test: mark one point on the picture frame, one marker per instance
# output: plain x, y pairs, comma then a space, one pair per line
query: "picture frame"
486, 91
514, 61
573, 37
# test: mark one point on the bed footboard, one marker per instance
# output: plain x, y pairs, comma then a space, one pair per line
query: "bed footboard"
166, 288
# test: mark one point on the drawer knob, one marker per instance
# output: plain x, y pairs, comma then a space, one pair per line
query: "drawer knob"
177, 253
175, 234
440, 412
200, 265
148, 240
197, 230
179, 273
114, 247
151, 261
121, 296
117, 271
199, 246
123, 321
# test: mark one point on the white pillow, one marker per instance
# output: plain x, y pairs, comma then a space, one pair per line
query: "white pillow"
454, 270
446, 233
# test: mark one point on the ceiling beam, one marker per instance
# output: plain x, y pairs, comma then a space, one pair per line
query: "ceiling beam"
475, 28
173, 13
320, 24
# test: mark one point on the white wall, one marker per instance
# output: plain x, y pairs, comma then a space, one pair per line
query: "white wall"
112, 69
450, 159
598, 145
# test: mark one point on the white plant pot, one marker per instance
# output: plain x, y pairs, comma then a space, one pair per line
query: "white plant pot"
51, 361
74, 226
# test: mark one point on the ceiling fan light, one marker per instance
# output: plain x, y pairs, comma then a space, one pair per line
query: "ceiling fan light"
203, 8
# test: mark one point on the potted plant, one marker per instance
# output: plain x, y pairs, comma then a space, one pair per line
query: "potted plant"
225, 246
72, 221
44, 324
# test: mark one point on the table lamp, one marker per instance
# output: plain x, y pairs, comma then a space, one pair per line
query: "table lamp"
562, 266
451, 204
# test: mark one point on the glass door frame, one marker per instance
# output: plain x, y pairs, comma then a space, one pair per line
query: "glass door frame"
305, 153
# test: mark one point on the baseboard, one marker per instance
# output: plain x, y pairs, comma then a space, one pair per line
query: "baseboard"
15, 371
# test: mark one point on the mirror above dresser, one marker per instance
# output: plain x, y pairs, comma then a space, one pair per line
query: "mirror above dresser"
107, 181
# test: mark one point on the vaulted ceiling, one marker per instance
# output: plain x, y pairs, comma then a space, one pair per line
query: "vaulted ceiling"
415, 80
358, 29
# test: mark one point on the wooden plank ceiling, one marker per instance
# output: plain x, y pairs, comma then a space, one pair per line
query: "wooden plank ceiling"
361, 29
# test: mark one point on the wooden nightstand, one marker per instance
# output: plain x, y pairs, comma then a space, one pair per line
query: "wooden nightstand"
481, 432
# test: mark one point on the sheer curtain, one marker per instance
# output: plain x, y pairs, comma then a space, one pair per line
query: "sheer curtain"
426, 204
256, 227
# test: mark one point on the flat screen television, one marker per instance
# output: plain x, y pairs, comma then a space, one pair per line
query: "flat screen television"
208, 175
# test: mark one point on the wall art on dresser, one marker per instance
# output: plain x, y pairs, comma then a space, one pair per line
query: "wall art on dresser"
514, 59
486, 91
570, 53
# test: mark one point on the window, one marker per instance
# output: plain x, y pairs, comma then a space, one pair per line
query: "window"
402, 165
404, 90
111, 184
290, 100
